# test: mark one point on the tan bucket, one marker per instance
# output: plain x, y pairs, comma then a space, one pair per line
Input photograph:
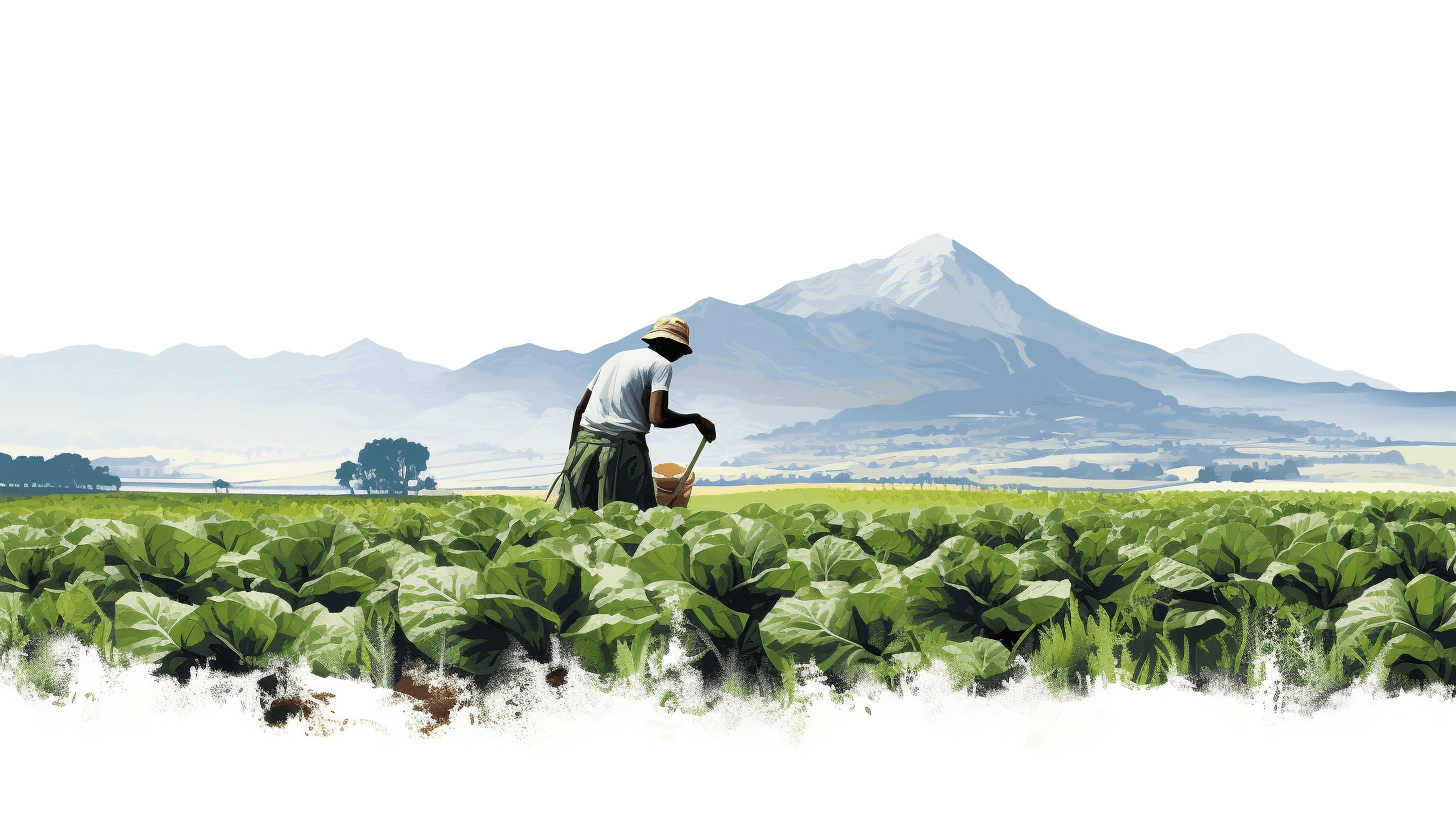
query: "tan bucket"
666, 476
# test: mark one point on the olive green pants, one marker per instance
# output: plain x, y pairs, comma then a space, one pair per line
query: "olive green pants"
602, 469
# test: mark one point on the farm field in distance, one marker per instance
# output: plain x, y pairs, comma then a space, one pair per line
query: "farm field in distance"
947, 455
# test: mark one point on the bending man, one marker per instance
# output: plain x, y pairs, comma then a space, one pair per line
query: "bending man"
608, 459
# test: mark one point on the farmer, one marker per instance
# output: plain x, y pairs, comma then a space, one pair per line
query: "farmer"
608, 458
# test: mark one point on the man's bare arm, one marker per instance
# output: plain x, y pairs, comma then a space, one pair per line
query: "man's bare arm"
663, 417
576, 418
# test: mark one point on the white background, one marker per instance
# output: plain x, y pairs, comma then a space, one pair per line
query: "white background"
449, 179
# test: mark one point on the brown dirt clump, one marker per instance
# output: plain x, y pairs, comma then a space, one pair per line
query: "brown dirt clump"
436, 701
669, 469
282, 708
557, 677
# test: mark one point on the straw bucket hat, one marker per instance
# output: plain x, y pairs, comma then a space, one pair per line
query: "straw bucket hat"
672, 328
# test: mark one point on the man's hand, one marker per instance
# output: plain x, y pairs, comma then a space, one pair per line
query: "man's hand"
705, 427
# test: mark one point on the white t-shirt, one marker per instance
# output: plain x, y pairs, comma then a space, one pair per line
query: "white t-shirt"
620, 391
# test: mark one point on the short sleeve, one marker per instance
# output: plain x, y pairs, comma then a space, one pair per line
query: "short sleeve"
661, 375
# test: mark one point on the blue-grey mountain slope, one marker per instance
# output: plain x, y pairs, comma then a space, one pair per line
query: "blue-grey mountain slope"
939, 277
1254, 355
874, 354
190, 398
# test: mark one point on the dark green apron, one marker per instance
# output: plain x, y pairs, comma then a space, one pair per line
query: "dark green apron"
602, 469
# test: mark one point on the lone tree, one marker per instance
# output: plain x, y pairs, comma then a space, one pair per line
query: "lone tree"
390, 465
346, 474
219, 484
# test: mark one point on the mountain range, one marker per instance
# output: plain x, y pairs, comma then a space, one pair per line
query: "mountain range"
933, 319
1254, 355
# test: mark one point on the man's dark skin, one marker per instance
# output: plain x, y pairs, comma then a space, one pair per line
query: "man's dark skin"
657, 411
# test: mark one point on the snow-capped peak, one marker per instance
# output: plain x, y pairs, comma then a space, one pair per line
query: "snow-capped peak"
934, 275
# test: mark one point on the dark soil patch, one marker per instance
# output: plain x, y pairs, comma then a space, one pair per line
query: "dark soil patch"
436, 701
557, 677
282, 708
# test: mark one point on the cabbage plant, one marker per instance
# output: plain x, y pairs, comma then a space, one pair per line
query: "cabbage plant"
314, 562
1408, 629
966, 590
843, 629
723, 576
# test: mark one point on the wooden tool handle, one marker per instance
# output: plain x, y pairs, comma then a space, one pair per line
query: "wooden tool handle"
681, 480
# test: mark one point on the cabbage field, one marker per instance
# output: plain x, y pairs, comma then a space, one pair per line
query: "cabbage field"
1325, 589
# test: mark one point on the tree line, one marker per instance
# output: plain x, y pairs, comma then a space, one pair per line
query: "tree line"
64, 471
391, 466
1288, 470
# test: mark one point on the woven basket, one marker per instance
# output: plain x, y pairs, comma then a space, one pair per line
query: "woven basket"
667, 484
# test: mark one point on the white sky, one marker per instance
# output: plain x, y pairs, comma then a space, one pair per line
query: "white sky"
449, 179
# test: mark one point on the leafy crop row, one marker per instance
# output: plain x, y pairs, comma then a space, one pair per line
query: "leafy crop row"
1129, 589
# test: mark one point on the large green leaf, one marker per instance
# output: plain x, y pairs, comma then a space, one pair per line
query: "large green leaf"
81, 613
617, 610
148, 627
1413, 622
662, 556
1322, 574
1234, 549
1035, 603
891, 543
699, 609
432, 605
339, 536
1181, 577
293, 562
966, 589
831, 558
160, 550
374, 561
332, 642
1297, 528
338, 589
43, 613
1100, 570
588, 552
530, 623
962, 561
544, 576
740, 564
250, 624
233, 535
832, 625
1196, 621
435, 614
1432, 602
13, 606
1424, 547
614, 589
968, 661
23, 568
